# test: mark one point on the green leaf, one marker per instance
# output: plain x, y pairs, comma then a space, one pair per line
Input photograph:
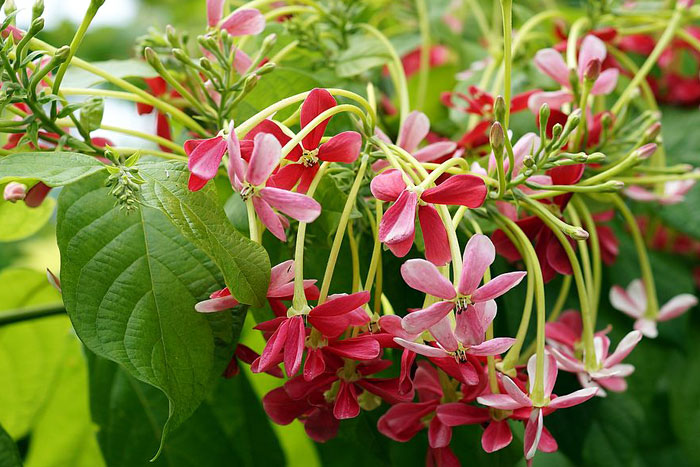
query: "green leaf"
79, 78
363, 54
684, 392
612, 438
9, 455
20, 221
29, 351
229, 428
52, 168
244, 264
130, 283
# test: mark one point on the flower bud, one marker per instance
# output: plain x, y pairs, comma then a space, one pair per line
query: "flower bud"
556, 131
268, 43
266, 68
499, 109
15, 192
578, 233
592, 71
645, 151
544, 115
497, 139
652, 132
528, 161
91, 113
10, 7
37, 9
53, 280
171, 35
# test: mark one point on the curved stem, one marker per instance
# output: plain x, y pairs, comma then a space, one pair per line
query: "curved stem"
424, 27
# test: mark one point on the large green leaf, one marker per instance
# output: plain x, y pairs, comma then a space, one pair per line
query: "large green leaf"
130, 283
29, 351
20, 221
245, 265
229, 428
363, 54
130, 68
9, 455
52, 168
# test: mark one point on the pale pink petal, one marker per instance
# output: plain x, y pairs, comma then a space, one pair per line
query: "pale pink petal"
392, 324
638, 193
413, 130
236, 164
215, 9
554, 99
533, 432
281, 274
575, 398
566, 362
420, 349
500, 401
529, 143
626, 345
388, 185
637, 293
592, 48
422, 275
216, 304
474, 321
243, 22
551, 62
550, 372
478, 256
515, 392
498, 286
418, 321
496, 436
606, 82
677, 306
435, 151
492, 347
297, 206
647, 327
267, 153
443, 334
399, 221
269, 218
241, 61
620, 300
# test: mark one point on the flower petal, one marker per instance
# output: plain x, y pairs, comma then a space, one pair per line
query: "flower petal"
420, 349
215, 9
236, 164
206, 156
266, 155
473, 322
552, 63
496, 436
356, 348
492, 347
269, 218
677, 306
435, 151
550, 372
575, 398
343, 147
498, 286
463, 190
294, 345
515, 392
554, 99
620, 299
626, 345
479, 254
317, 102
413, 130
297, 206
346, 404
499, 401
459, 413
244, 22
533, 432
388, 185
443, 334
606, 82
592, 48
419, 321
437, 246
399, 221
423, 276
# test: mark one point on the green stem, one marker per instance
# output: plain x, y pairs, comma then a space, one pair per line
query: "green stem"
589, 222
252, 221
647, 275
424, 26
507, 12
29, 313
340, 232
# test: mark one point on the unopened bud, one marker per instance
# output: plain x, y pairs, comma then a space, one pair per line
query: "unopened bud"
205, 63
182, 56
528, 161
544, 115
250, 82
151, 57
606, 120
499, 109
577, 233
592, 70
36, 26
14, 192
265, 69
268, 43
556, 131
62, 53
596, 158
53, 280
652, 132
171, 35
645, 151
497, 139
37, 9
10, 7
613, 185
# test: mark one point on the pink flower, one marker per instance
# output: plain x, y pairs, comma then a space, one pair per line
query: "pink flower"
215, 10
288, 340
397, 228
515, 399
674, 192
529, 143
343, 147
474, 305
552, 63
565, 337
249, 179
414, 130
15, 192
633, 302
281, 286
204, 158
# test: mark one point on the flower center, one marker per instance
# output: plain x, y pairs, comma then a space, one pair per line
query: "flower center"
247, 191
462, 302
309, 158
461, 355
